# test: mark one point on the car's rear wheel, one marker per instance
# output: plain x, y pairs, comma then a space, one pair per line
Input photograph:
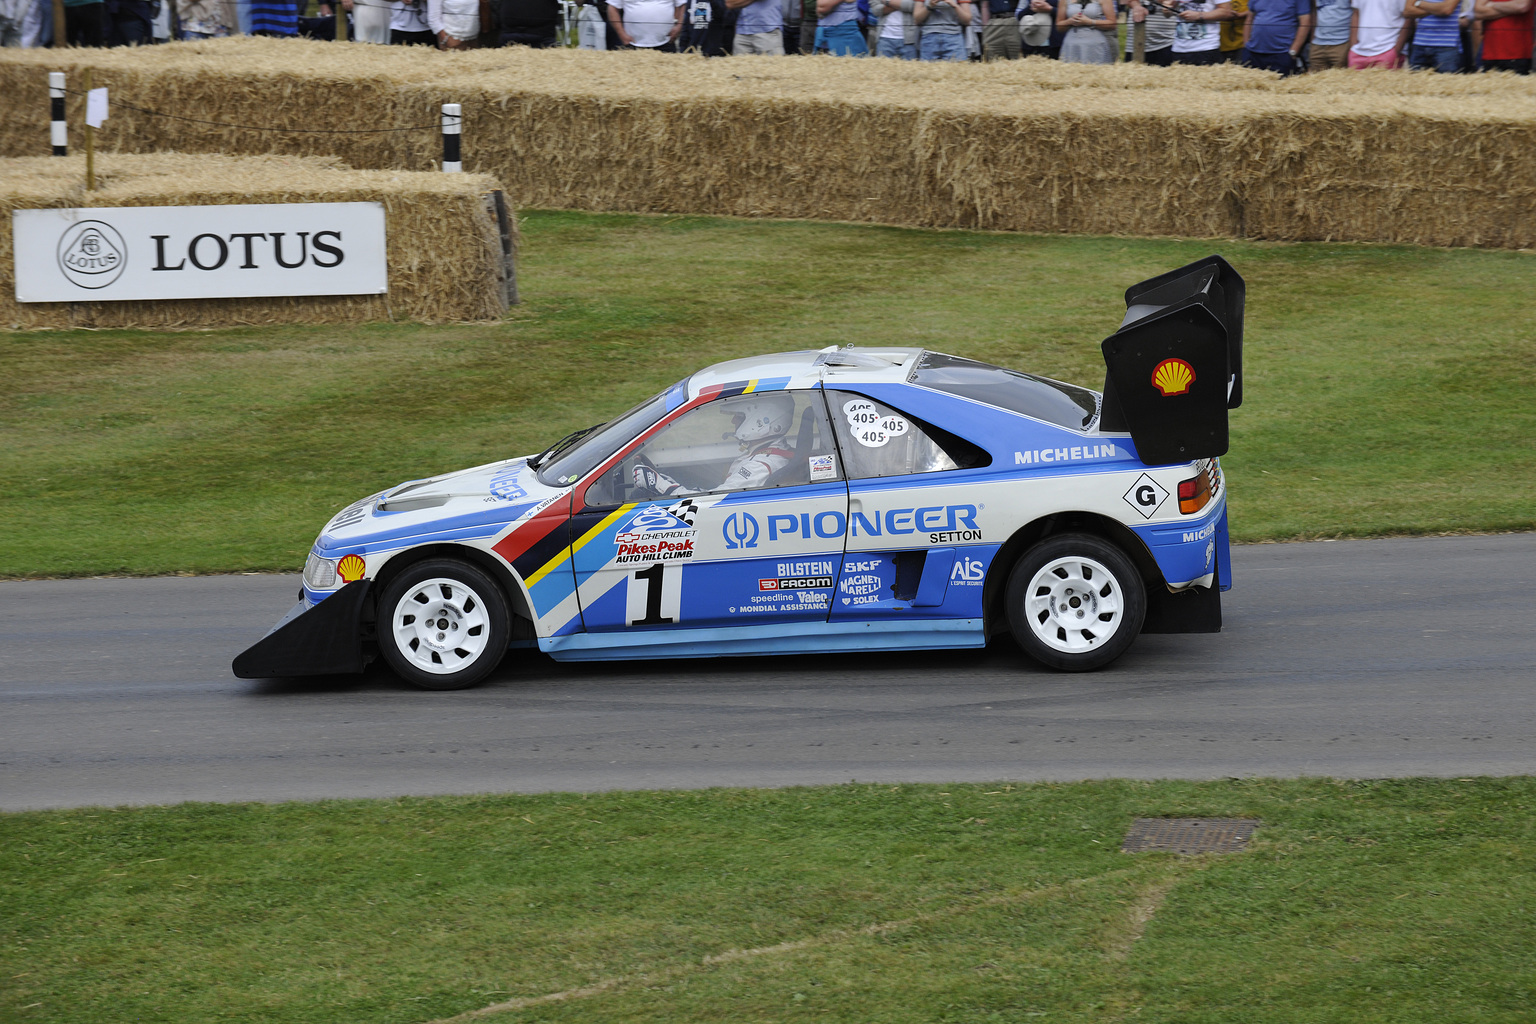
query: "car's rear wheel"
443, 624
1075, 602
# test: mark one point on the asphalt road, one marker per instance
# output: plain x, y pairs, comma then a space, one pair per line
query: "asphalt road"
1350, 659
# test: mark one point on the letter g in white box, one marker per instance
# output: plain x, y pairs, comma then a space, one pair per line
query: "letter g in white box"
199, 252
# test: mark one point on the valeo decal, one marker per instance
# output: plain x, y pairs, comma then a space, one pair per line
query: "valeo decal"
351, 568
1173, 377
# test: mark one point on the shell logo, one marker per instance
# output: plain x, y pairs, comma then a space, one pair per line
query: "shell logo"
350, 568
1173, 377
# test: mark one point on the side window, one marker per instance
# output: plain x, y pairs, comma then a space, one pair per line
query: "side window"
762, 439
878, 441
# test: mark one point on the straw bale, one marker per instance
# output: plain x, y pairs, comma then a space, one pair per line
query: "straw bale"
1028, 145
443, 246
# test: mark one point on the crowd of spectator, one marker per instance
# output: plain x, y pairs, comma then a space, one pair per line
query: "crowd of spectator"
1284, 36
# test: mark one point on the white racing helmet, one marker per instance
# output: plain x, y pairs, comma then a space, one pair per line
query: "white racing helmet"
765, 417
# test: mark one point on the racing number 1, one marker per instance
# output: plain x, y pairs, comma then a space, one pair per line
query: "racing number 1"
652, 579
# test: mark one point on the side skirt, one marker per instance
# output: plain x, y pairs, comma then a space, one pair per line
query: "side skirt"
785, 638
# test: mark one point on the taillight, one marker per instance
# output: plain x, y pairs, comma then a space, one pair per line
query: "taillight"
1195, 493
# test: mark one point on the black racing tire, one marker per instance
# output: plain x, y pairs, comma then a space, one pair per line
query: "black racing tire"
462, 639
1075, 602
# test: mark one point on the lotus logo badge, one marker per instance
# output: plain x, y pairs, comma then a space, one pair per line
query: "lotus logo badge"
740, 530
1173, 377
92, 254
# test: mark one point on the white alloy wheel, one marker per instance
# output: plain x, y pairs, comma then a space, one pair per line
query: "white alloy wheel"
1074, 605
1075, 602
440, 626
443, 624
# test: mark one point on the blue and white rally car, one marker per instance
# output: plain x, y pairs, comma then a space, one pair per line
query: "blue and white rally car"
851, 499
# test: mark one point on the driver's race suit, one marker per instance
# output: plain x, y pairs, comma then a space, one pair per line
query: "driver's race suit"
751, 469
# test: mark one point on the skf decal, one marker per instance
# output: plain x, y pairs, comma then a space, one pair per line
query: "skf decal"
351, 568
1173, 377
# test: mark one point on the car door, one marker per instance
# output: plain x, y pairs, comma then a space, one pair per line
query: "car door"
706, 523
915, 546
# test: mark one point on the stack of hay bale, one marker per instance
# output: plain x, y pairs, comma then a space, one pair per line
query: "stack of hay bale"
1028, 145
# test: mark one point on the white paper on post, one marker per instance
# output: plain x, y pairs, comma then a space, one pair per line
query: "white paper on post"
96, 107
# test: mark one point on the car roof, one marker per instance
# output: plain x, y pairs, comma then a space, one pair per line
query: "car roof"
790, 370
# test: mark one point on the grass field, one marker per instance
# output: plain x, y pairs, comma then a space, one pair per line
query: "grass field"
1389, 389
1397, 901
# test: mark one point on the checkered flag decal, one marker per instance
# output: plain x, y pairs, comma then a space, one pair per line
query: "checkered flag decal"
685, 510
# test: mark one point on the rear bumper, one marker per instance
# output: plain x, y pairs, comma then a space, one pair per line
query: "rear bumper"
327, 639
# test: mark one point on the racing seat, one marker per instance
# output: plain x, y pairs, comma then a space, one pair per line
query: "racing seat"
798, 471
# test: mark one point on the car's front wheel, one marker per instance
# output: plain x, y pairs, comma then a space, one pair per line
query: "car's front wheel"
443, 624
1075, 602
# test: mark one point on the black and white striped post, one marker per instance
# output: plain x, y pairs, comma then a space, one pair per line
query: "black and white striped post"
58, 130
453, 123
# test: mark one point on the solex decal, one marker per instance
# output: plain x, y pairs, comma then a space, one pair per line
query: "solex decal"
864, 582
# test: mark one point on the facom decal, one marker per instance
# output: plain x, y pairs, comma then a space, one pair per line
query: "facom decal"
656, 534
351, 568
1073, 454
868, 427
1173, 377
504, 484
1146, 496
796, 583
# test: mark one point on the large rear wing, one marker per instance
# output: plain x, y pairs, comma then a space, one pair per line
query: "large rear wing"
1175, 366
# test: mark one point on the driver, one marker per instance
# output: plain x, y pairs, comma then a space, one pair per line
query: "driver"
761, 423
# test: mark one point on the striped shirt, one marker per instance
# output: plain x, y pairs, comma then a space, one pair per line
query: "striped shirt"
1437, 30
275, 17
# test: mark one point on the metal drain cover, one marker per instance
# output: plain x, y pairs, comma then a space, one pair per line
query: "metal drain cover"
1190, 835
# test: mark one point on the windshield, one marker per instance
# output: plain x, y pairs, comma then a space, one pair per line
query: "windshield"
573, 457
1039, 397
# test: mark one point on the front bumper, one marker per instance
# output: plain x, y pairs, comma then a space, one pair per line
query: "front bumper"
327, 639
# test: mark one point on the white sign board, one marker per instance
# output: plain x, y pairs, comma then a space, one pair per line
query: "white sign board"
199, 252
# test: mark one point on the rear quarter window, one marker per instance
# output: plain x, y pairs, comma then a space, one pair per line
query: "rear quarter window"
1041, 398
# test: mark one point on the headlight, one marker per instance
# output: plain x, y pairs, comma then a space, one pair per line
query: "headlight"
319, 573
